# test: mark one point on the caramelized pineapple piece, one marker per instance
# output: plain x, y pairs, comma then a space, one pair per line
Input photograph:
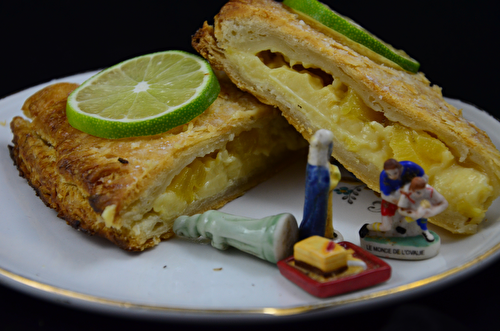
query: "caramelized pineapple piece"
421, 148
353, 106
182, 184
199, 174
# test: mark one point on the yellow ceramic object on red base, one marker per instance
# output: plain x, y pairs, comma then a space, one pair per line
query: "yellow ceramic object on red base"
377, 271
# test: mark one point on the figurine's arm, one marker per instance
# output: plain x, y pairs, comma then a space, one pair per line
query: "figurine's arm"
438, 205
387, 191
414, 169
413, 213
334, 176
411, 209
393, 197
408, 212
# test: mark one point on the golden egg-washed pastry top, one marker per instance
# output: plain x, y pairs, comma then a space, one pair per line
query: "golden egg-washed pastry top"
108, 187
269, 51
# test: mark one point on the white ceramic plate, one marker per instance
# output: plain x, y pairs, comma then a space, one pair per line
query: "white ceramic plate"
42, 256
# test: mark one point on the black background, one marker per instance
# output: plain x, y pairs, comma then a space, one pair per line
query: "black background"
455, 42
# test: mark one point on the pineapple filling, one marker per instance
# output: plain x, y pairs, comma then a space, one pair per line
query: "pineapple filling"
249, 153
333, 105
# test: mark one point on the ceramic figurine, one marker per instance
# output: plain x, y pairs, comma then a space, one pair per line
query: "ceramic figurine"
324, 257
394, 176
403, 232
321, 179
330, 232
270, 238
325, 268
419, 201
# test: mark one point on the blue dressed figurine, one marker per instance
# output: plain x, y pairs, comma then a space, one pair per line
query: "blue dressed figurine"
321, 178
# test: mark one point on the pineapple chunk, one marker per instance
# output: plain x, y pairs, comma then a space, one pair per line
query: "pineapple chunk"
469, 202
419, 147
168, 204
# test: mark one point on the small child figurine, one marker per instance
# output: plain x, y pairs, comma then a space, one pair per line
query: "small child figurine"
398, 235
321, 178
419, 201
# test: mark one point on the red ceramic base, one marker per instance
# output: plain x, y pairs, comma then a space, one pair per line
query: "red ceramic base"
377, 272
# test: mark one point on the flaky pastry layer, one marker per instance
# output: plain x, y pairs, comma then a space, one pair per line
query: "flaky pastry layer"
249, 33
108, 187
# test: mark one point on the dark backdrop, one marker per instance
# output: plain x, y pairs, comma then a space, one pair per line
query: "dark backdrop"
455, 42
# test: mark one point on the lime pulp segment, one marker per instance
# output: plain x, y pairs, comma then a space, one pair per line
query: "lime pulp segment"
145, 95
324, 15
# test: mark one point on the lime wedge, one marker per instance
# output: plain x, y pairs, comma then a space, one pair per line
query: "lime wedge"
351, 34
143, 96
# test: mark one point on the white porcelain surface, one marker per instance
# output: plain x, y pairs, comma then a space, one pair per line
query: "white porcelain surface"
41, 255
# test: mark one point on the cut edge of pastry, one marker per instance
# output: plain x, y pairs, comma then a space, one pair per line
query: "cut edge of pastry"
247, 32
121, 215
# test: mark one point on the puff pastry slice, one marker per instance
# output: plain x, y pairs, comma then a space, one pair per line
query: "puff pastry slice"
375, 112
131, 190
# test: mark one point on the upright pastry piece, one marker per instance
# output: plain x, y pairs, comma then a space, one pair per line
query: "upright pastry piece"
131, 190
375, 112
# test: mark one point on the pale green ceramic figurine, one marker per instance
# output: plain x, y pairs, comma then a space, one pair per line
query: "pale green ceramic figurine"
270, 238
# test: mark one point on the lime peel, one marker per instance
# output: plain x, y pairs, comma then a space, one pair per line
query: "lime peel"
146, 95
351, 34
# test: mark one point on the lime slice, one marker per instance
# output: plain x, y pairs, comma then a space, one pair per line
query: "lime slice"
351, 34
143, 96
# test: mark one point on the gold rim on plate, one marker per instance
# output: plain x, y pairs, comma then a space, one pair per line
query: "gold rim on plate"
265, 311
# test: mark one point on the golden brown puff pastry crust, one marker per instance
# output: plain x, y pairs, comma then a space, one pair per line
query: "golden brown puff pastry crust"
402, 97
80, 175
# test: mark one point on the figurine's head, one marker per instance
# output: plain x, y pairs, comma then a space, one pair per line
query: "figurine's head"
320, 147
393, 169
322, 138
417, 186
